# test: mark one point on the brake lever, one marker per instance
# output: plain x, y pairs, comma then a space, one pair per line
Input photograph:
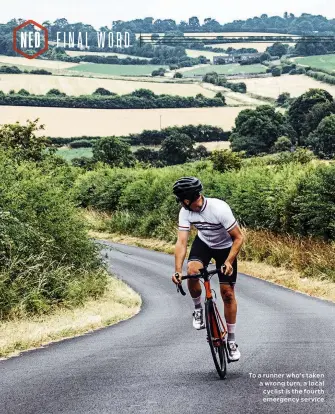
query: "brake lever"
181, 290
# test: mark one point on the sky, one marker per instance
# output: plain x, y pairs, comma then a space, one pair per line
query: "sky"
102, 12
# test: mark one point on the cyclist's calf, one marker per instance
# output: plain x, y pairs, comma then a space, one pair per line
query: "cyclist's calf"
194, 285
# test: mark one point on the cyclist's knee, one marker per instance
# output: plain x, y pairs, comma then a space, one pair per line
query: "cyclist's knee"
228, 296
194, 267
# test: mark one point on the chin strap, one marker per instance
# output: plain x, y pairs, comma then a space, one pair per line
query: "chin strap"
195, 197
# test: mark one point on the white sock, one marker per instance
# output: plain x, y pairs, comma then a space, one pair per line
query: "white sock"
231, 331
197, 302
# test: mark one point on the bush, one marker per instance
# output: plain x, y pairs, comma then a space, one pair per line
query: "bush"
225, 160
158, 72
23, 92
178, 75
276, 71
55, 92
112, 151
282, 144
46, 257
293, 197
103, 92
283, 98
10, 69
40, 72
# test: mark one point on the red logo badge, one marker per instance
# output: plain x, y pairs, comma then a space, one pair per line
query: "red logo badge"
29, 40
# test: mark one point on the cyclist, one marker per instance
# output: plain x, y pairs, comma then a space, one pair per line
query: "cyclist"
219, 237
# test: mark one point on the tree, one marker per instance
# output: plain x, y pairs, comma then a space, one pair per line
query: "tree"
194, 23
22, 142
225, 160
256, 130
144, 93
200, 153
301, 106
112, 151
322, 140
146, 155
176, 149
265, 56
316, 115
277, 49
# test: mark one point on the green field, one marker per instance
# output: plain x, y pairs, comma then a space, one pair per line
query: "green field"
230, 69
122, 70
69, 154
326, 62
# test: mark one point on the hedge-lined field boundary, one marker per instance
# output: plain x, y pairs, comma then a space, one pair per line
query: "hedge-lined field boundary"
110, 102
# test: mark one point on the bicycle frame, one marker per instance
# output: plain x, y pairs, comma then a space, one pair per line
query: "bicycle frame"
216, 329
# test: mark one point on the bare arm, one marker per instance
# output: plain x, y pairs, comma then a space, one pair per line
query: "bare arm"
238, 239
180, 250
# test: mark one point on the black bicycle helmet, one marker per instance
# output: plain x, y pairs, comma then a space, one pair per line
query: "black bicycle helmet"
187, 188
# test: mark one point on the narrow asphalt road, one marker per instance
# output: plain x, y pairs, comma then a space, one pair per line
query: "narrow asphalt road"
157, 363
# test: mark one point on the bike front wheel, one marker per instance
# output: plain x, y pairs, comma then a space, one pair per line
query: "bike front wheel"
215, 337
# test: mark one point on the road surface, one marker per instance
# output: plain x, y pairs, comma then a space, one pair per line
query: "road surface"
157, 363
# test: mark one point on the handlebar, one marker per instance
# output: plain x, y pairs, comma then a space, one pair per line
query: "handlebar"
202, 274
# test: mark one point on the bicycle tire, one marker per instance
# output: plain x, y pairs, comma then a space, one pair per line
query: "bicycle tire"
218, 351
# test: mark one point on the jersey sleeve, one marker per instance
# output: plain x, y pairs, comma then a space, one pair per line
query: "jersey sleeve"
184, 224
226, 216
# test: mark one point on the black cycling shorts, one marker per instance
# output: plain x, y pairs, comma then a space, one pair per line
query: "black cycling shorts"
200, 252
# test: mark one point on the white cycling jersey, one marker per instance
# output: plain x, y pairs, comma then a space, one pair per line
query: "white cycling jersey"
213, 222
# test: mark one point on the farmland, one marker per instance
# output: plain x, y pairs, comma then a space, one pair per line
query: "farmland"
35, 63
74, 53
64, 122
260, 46
207, 54
295, 85
229, 69
326, 62
40, 84
123, 70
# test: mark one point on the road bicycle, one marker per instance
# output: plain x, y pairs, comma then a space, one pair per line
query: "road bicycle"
216, 330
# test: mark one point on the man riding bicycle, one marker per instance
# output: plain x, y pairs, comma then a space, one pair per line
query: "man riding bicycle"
219, 237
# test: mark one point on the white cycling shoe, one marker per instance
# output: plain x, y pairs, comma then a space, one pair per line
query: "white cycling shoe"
233, 352
198, 319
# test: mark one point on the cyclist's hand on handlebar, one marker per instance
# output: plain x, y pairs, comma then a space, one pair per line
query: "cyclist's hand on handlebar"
175, 278
227, 268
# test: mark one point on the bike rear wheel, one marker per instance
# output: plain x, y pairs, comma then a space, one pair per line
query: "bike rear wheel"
215, 336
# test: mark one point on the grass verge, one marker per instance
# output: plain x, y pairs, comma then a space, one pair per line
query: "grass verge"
261, 246
119, 302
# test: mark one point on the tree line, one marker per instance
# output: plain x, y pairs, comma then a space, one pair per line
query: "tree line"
215, 79
139, 99
198, 133
288, 23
